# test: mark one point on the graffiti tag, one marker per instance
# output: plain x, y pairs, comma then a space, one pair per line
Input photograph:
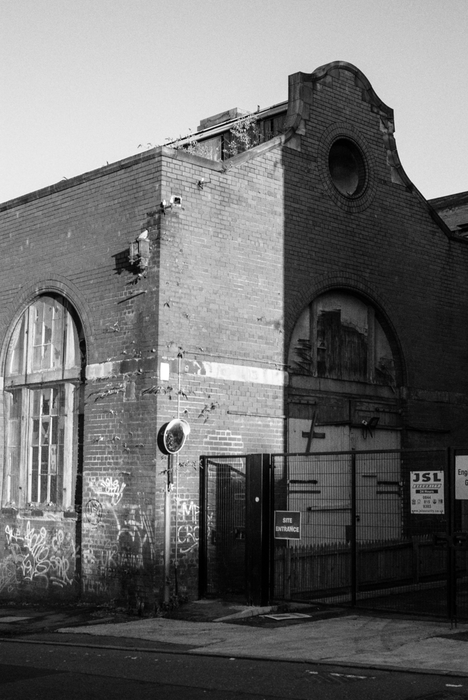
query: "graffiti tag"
39, 555
108, 487
188, 531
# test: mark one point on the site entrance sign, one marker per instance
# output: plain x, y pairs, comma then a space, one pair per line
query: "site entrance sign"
287, 525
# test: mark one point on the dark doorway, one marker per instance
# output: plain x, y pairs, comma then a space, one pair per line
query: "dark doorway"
235, 528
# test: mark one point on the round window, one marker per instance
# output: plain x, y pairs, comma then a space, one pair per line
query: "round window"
347, 168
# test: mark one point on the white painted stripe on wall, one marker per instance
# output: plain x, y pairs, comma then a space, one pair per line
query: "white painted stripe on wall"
243, 373
214, 370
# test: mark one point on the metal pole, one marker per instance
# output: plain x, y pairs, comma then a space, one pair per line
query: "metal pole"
451, 554
287, 572
167, 530
203, 548
176, 552
353, 532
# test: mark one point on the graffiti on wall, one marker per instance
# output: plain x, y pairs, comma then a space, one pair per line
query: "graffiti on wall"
8, 574
93, 512
188, 530
120, 536
135, 538
102, 555
37, 555
109, 488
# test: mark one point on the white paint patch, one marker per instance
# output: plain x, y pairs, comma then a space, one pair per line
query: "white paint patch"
164, 368
243, 373
102, 370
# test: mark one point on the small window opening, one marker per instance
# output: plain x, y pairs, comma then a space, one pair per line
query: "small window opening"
347, 168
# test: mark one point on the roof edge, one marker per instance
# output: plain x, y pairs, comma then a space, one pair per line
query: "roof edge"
66, 184
449, 200
301, 83
361, 80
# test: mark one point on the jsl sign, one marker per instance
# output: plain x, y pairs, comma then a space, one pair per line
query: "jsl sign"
427, 492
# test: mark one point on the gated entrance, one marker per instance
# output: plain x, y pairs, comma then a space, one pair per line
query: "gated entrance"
379, 528
235, 527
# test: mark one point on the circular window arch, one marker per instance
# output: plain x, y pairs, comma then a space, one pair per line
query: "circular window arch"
347, 167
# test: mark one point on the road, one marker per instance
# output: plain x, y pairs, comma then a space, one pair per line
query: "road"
35, 671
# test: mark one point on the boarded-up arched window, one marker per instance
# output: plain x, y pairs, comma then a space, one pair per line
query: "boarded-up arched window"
339, 336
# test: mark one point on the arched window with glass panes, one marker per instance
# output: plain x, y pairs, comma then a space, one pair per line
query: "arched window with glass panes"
43, 374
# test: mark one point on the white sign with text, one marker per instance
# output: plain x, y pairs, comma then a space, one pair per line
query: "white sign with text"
461, 477
427, 492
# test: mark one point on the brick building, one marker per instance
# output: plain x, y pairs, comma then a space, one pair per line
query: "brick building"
275, 273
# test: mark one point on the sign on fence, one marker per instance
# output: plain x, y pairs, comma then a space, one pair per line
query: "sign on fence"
427, 492
287, 525
461, 477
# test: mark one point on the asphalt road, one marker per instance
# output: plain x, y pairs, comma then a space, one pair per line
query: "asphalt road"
51, 671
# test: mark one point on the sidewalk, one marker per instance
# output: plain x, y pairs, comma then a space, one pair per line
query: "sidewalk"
339, 636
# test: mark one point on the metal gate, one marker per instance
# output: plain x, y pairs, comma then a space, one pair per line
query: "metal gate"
222, 540
377, 531
235, 494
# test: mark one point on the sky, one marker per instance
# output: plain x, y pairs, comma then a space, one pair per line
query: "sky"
84, 83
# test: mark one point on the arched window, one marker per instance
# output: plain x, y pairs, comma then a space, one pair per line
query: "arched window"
338, 336
42, 373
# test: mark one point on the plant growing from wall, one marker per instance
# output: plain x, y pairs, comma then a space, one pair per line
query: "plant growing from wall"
243, 135
109, 390
191, 145
207, 410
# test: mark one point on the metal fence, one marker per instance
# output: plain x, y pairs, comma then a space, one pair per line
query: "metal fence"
379, 529
371, 534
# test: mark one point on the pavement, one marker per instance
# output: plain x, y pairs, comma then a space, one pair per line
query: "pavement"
300, 633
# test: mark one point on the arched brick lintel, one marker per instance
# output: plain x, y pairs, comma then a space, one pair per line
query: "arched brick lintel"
52, 285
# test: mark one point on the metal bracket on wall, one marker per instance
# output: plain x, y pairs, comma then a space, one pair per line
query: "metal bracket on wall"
312, 434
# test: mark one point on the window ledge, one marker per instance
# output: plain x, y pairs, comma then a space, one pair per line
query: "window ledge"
9, 510
39, 513
343, 386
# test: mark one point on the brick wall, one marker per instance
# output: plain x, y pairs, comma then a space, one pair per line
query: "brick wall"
391, 251
73, 239
204, 333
